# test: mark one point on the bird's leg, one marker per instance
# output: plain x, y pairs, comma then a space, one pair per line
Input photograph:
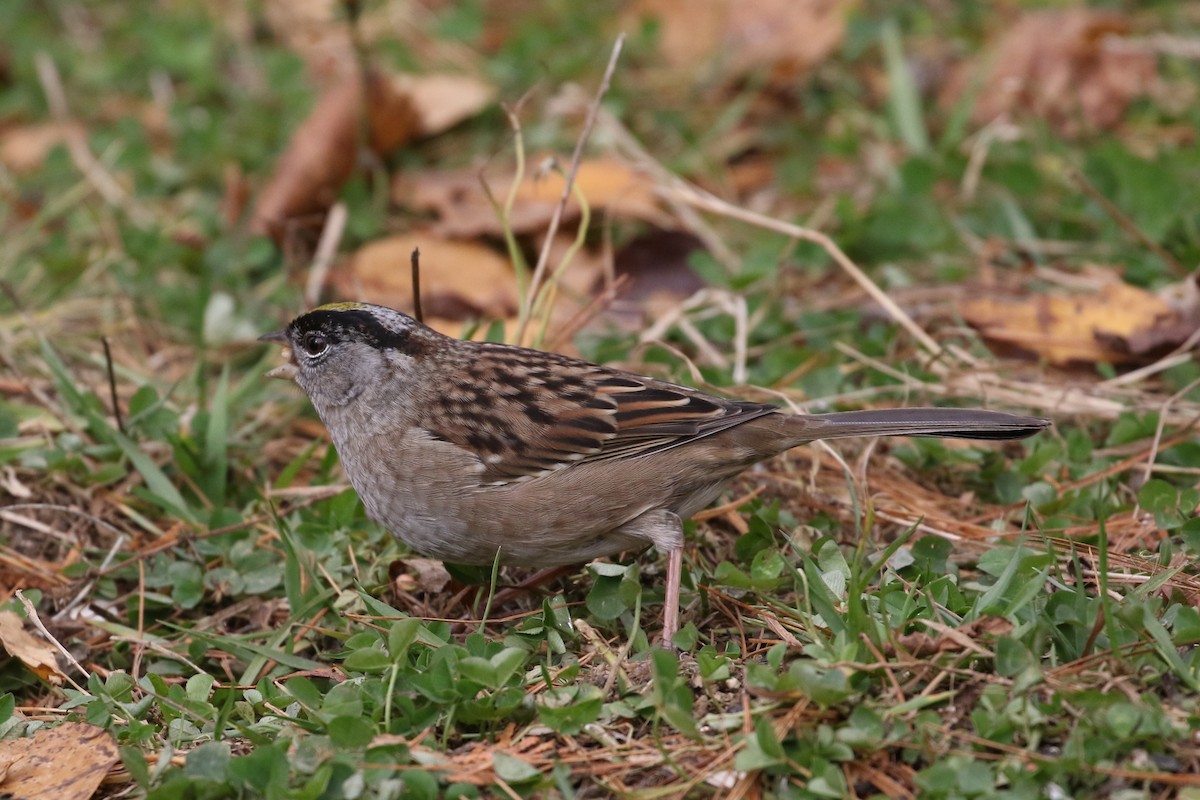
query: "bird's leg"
665, 529
671, 602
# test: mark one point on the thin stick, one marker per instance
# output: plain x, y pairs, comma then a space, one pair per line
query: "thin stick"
327, 247
93, 171
67, 510
1158, 434
117, 544
416, 284
708, 202
576, 157
169, 542
112, 384
1127, 224
32, 614
1179, 355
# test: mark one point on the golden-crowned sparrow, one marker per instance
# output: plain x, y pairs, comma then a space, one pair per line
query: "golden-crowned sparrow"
466, 450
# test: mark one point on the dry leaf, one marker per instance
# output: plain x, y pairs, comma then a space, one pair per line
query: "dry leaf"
656, 275
321, 33
65, 763
610, 186
316, 30
924, 645
31, 651
423, 575
1120, 324
24, 148
323, 151
1055, 64
787, 37
459, 280
12, 485
443, 101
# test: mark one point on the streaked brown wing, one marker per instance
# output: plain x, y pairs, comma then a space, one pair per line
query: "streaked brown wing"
653, 415
565, 411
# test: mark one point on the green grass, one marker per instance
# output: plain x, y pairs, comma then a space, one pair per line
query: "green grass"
948, 621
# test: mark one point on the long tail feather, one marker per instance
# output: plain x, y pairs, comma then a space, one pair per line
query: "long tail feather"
956, 423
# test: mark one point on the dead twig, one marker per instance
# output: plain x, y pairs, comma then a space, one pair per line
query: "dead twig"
1126, 223
327, 247
416, 284
539, 271
96, 174
32, 615
708, 202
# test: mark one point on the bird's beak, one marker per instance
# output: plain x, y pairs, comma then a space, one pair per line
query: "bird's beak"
287, 371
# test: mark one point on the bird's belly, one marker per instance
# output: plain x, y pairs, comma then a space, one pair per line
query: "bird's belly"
428, 493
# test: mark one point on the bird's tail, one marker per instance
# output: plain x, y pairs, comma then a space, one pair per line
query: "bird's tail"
955, 423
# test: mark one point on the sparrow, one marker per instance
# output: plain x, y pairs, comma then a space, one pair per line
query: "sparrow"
475, 451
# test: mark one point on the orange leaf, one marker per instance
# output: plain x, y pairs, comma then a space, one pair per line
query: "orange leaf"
786, 37
323, 151
24, 148
609, 185
458, 279
66, 763
1087, 328
31, 651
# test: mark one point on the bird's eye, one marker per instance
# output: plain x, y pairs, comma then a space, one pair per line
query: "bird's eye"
314, 344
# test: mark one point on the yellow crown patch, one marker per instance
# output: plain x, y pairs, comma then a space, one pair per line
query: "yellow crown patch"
340, 307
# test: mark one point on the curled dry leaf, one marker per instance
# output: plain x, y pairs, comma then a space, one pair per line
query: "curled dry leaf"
31, 651
323, 151
1055, 64
458, 279
66, 763
1119, 324
610, 186
423, 575
786, 37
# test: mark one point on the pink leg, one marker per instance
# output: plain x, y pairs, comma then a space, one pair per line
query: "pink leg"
671, 603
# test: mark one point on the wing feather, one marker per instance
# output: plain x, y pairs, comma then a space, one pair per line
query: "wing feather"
569, 412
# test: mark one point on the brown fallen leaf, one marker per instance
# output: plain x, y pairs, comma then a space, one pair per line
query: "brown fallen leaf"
322, 34
1183, 298
610, 186
37, 655
459, 280
656, 275
924, 645
67, 762
1119, 324
24, 148
315, 30
1055, 65
422, 575
443, 101
786, 37
323, 151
